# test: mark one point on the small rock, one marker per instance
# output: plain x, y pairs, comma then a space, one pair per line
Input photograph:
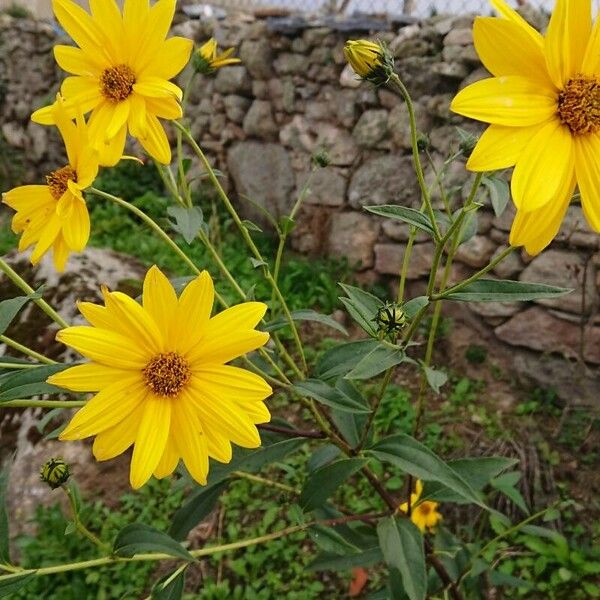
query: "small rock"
371, 128
389, 257
352, 237
259, 121
476, 252
327, 187
233, 80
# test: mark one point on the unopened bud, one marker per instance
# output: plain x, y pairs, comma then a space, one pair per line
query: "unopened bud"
55, 472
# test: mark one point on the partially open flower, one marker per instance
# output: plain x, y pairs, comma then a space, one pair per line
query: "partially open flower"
423, 514
370, 60
207, 59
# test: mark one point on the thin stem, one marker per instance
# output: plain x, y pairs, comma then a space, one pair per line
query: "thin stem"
25, 350
81, 527
247, 237
43, 403
17, 366
384, 384
151, 223
268, 482
415, 152
25, 287
317, 435
169, 183
459, 286
406, 263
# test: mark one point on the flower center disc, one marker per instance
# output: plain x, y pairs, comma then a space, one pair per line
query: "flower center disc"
424, 508
579, 105
116, 83
166, 374
58, 181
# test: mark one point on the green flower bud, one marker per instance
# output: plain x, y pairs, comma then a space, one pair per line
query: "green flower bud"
55, 472
390, 319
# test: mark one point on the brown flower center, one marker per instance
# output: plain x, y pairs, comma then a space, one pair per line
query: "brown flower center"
116, 83
166, 374
579, 104
58, 181
424, 508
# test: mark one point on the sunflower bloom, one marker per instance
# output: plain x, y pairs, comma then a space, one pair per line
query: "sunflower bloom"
55, 216
369, 60
543, 106
207, 59
423, 514
162, 382
121, 71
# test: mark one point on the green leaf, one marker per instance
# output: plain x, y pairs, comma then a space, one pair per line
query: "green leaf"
169, 587
327, 561
403, 213
502, 290
251, 226
499, 193
323, 482
414, 458
10, 308
505, 484
14, 583
29, 382
196, 509
138, 538
325, 394
412, 307
4, 532
436, 379
188, 221
469, 226
254, 460
402, 546
330, 540
362, 307
306, 315
342, 358
382, 357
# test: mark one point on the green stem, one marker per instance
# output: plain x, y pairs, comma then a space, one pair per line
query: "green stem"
476, 276
406, 263
17, 366
81, 527
151, 223
43, 404
25, 287
246, 235
25, 350
168, 182
415, 152
265, 481
384, 384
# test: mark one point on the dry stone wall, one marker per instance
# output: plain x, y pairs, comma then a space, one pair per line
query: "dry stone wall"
293, 96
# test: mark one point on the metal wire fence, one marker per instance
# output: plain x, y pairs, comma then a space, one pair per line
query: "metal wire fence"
413, 8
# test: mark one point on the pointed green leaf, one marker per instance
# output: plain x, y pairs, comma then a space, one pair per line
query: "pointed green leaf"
501, 290
402, 546
11, 307
29, 382
435, 378
323, 482
362, 306
342, 358
14, 583
403, 213
188, 221
412, 307
414, 458
169, 587
381, 358
306, 315
325, 394
138, 538
327, 561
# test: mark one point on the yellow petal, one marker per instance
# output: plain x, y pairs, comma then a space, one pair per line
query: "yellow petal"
512, 15
505, 48
170, 60
547, 162
155, 87
115, 440
76, 61
135, 18
109, 21
111, 152
75, 221
119, 118
591, 60
536, 229
587, 156
193, 312
135, 322
500, 147
165, 108
106, 347
159, 299
89, 377
169, 460
27, 197
513, 101
60, 253
80, 26
150, 440
191, 441
106, 409
49, 233
155, 142
137, 115
218, 446
233, 382
567, 38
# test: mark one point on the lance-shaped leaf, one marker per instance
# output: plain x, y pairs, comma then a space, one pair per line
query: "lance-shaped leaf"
403, 213
29, 382
306, 315
381, 358
326, 394
11, 307
138, 538
362, 306
502, 290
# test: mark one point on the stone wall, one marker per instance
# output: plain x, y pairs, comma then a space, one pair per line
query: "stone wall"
292, 97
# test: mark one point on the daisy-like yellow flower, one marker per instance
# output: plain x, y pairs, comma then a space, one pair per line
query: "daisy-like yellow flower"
423, 514
55, 216
121, 71
369, 60
543, 106
162, 382
207, 59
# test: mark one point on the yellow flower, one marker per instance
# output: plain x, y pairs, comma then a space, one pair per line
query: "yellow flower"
207, 60
121, 72
370, 60
543, 104
423, 514
55, 215
162, 382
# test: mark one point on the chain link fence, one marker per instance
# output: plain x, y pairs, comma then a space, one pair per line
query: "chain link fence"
409, 8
